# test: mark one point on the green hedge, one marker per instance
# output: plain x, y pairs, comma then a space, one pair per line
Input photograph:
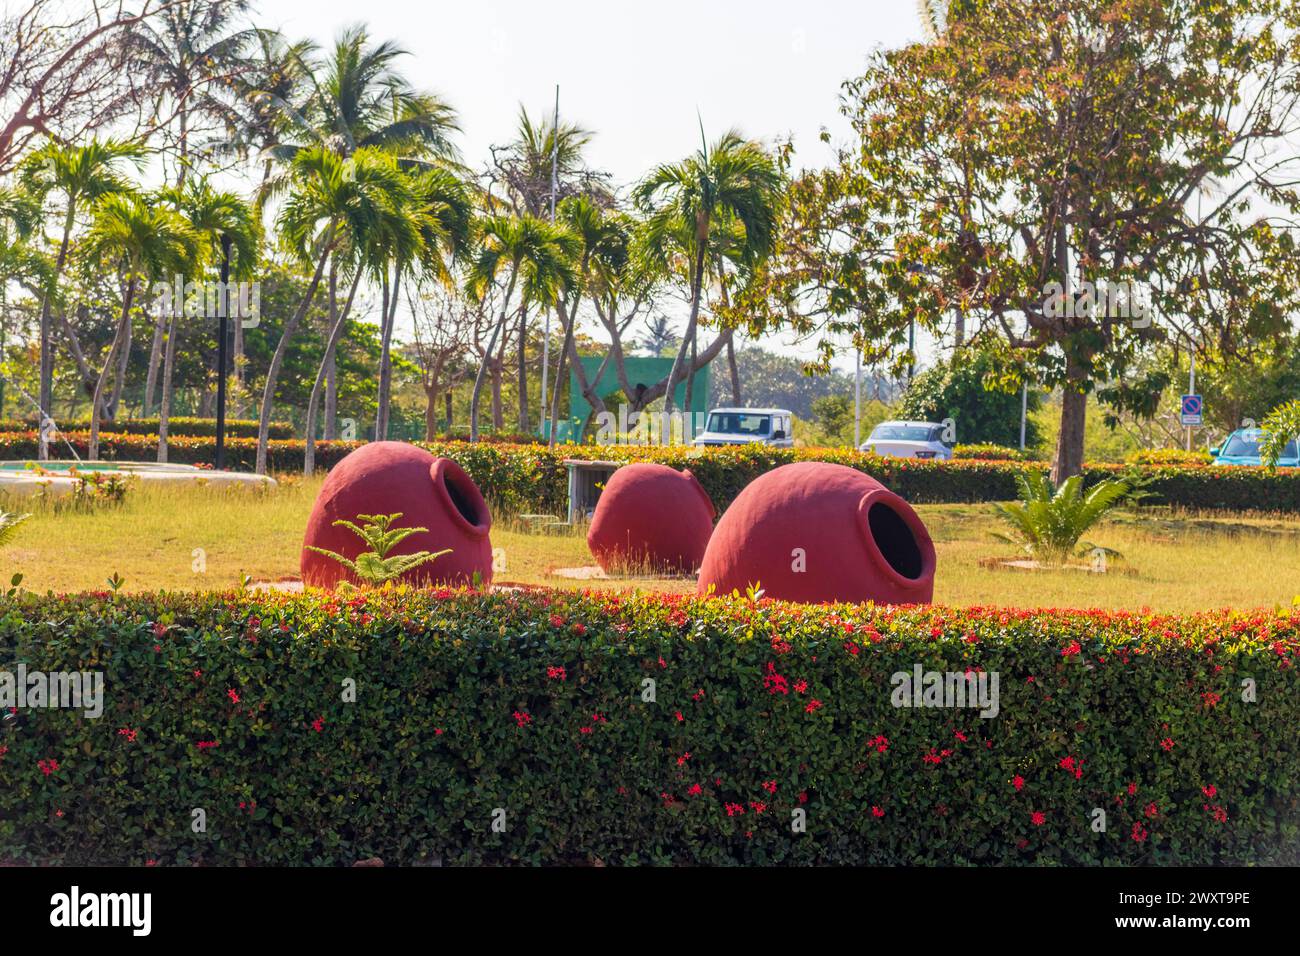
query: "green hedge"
524, 478
179, 426
535, 703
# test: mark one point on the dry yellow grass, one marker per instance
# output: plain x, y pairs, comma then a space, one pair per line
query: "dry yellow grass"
184, 538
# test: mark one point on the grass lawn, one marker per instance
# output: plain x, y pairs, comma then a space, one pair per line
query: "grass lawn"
154, 540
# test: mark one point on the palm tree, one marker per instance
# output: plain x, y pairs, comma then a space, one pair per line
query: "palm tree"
212, 214
440, 212
356, 99
699, 206
604, 239
145, 239
524, 246
20, 262
382, 221
189, 55
84, 175
309, 224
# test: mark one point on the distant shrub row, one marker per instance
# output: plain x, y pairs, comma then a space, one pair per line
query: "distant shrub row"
520, 478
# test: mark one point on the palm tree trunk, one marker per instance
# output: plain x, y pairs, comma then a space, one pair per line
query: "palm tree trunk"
522, 376
119, 379
386, 361
487, 353
331, 360
697, 283
165, 406
122, 323
273, 372
309, 447
46, 390
570, 319
155, 355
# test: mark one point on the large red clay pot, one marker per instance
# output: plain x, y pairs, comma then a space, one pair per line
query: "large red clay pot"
435, 493
651, 516
817, 532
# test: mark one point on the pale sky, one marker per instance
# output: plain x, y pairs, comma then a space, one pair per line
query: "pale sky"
636, 74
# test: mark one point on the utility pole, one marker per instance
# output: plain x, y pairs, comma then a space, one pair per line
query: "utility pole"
857, 399
555, 183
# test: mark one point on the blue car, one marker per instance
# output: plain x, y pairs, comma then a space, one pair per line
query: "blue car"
1242, 448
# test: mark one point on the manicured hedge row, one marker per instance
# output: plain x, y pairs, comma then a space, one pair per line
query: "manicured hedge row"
644, 730
524, 478
193, 427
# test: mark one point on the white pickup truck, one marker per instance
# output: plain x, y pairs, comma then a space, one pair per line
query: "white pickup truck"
748, 426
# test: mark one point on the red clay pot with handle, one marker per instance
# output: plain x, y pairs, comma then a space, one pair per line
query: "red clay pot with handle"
435, 493
814, 532
651, 516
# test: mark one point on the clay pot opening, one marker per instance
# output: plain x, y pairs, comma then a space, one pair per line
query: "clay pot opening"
895, 540
467, 504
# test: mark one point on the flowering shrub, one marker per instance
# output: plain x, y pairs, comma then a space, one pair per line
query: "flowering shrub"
645, 730
1171, 456
176, 426
531, 478
989, 452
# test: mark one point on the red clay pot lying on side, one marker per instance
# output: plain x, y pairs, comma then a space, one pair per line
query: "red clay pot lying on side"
435, 493
651, 516
815, 532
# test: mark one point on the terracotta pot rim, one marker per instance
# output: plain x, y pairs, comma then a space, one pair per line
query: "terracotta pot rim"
900, 507
708, 502
443, 469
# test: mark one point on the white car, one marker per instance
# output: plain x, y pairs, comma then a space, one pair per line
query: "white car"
748, 426
909, 440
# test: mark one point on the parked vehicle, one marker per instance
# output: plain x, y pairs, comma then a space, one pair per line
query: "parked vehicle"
748, 426
1242, 448
909, 440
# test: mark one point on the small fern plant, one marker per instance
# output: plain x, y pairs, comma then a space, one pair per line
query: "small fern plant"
377, 566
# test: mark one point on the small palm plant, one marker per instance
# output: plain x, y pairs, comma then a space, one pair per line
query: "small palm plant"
9, 523
1048, 523
376, 566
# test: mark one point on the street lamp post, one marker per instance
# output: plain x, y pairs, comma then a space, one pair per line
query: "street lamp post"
223, 333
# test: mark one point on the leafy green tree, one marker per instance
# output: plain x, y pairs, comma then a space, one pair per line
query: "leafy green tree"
1042, 146
377, 566
969, 390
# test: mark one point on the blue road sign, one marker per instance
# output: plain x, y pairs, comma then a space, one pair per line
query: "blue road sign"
1193, 411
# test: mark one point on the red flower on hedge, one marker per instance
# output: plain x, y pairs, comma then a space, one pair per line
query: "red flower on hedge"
774, 682
1167, 743
1211, 791
128, 733
319, 724
1152, 810
1018, 782
1071, 649
735, 810
234, 697
695, 790
1139, 833
813, 706
556, 673
1038, 818
522, 718
681, 761
877, 812
769, 786
1211, 698
1073, 765
557, 621
48, 767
